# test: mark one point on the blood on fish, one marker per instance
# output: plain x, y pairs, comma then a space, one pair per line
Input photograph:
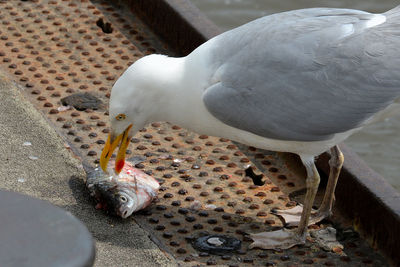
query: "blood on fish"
119, 165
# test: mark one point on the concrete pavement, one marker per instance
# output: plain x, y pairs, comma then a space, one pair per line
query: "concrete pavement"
46, 169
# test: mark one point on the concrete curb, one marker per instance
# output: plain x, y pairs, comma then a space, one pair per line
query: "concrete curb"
47, 170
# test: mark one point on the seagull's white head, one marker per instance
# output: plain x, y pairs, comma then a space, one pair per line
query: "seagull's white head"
134, 102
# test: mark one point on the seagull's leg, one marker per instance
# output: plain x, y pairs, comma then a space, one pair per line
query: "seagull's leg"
312, 184
283, 239
292, 216
335, 163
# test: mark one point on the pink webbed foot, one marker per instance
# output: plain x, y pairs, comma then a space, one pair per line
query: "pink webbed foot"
280, 239
292, 216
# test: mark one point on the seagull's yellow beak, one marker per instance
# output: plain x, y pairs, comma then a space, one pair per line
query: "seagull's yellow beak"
112, 142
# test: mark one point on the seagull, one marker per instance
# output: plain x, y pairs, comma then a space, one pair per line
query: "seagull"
300, 81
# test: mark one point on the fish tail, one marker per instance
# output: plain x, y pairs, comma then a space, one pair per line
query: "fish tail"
87, 167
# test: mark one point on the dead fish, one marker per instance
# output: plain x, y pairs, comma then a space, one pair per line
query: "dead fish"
122, 194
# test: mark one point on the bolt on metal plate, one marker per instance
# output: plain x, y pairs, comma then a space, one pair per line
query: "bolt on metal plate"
57, 49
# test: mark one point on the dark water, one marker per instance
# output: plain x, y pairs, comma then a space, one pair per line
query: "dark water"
379, 144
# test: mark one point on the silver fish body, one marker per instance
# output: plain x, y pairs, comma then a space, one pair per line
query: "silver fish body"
122, 194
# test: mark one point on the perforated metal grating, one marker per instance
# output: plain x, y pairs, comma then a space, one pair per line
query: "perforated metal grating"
54, 49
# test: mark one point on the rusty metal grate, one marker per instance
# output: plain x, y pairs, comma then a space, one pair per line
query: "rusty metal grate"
55, 49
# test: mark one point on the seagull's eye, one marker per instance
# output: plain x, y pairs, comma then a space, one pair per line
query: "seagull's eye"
120, 117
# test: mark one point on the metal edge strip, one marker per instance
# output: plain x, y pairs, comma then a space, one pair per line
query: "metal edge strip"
178, 22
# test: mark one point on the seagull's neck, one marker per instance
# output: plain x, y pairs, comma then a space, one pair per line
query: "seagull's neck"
178, 84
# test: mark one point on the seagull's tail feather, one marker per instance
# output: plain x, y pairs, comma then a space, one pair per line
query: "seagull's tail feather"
391, 27
395, 12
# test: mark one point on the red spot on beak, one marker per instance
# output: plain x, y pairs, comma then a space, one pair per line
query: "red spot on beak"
119, 165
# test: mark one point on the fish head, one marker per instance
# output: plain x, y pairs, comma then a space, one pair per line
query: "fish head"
120, 200
126, 204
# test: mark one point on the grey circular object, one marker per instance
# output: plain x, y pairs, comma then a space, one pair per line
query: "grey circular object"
34, 232
221, 245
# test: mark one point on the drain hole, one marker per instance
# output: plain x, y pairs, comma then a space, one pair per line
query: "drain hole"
106, 27
257, 179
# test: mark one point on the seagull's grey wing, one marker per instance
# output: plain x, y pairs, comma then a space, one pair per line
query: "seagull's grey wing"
305, 75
